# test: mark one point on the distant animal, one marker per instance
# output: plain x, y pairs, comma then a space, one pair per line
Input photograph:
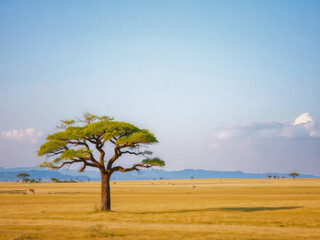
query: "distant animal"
194, 187
31, 190
114, 182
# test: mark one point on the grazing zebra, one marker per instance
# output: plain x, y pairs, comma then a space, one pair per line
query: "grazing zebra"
31, 190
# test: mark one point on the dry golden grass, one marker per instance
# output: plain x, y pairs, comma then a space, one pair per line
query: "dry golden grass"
216, 209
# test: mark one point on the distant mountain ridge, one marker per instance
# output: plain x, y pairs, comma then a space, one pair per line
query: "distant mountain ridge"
10, 174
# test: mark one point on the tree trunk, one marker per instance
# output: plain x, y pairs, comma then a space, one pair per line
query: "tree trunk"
105, 192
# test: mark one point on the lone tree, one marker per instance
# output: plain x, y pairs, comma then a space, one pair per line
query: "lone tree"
269, 176
294, 175
75, 145
54, 179
23, 176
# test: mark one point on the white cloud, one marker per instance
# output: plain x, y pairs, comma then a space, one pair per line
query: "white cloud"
303, 118
29, 134
304, 126
268, 146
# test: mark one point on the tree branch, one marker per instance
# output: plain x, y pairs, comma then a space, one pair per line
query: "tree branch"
85, 164
134, 167
138, 153
99, 144
114, 158
117, 154
92, 159
64, 163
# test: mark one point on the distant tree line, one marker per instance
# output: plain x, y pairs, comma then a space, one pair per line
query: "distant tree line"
293, 175
60, 181
25, 178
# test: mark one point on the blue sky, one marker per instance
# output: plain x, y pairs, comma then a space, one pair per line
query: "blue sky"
189, 71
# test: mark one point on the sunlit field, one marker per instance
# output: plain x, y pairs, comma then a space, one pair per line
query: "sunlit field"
164, 209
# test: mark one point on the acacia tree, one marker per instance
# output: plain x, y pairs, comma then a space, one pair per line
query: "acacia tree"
54, 179
294, 175
269, 176
85, 144
23, 176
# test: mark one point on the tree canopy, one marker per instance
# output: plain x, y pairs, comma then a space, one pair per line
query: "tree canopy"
73, 144
80, 143
23, 176
293, 175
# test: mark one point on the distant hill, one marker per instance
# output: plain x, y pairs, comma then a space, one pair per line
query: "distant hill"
45, 175
196, 173
9, 174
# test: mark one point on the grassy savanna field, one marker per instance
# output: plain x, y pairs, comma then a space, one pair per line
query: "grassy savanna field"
216, 209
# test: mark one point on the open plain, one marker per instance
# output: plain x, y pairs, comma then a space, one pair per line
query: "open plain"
164, 209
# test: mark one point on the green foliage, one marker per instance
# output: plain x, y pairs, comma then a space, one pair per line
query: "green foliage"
51, 146
89, 118
66, 123
117, 129
125, 132
47, 164
142, 136
23, 175
73, 143
71, 133
105, 118
293, 174
26, 180
108, 130
54, 179
72, 153
153, 162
